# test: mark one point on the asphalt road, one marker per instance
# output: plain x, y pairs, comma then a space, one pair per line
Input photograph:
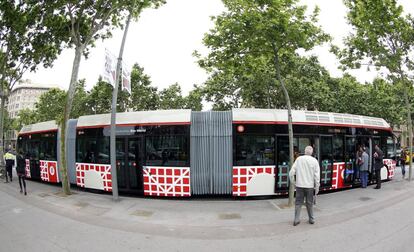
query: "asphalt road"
28, 224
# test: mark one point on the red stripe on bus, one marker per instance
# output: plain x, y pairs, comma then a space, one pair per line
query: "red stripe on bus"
313, 124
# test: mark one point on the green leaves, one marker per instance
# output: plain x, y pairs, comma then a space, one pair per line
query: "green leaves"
25, 117
243, 46
98, 100
25, 40
87, 21
144, 94
383, 36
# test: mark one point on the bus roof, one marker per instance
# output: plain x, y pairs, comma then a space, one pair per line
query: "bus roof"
275, 116
243, 115
158, 117
39, 127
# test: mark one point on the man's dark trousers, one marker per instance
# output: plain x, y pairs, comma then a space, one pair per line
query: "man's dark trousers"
301, 194
9, 173
378, 175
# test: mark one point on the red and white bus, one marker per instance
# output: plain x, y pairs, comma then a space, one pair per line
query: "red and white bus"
180, 153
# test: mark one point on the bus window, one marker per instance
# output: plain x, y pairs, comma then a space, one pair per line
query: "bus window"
22, 146
283, 151
391, 151
351, 167
34, 149
376, 141
300, 144
255, 150
303, 142
103, 151
338, 149
86, 150
167, 150
350, 149
48, 147
382, 144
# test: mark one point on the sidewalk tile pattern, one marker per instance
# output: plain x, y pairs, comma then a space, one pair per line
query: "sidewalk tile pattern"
243, 174
391, 167
48, 171
103, 170
167, 181
28, 175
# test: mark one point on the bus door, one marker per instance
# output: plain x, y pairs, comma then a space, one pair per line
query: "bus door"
34, 154
282, 171
299, 145
365, 142
377, 140
326, 160
129, 158
351, 172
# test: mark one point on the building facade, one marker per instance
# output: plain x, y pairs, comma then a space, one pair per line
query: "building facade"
24, 95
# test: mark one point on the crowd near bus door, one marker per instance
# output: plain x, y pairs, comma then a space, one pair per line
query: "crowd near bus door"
351, 172
364, 141
129, 158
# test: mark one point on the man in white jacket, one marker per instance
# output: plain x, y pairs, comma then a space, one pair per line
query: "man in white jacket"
306, 168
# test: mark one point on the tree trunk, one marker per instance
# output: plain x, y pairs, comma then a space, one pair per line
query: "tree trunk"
2, 111
3, 96
63, 124
290, 127
410, 131
114, 176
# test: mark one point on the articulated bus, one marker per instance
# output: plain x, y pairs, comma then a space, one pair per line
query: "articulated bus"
181, 153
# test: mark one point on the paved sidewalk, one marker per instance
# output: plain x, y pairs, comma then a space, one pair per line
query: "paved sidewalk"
207, 219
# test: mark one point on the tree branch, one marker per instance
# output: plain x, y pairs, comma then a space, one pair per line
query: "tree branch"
98, 26
72, 21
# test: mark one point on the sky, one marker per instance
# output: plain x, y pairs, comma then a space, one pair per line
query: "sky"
163, 41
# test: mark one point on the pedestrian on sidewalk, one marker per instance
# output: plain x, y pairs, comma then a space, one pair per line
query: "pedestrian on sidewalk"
402, 162
358, 163
363, 168
378, 164
21, 171
10, 160
306, 168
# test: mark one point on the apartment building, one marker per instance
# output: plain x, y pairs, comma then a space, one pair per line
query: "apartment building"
25, 95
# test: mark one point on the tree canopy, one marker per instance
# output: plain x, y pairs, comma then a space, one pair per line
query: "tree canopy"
383, 37
251, 41
145, 96
25, 43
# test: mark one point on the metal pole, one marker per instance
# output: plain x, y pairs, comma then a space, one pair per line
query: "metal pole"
114, 176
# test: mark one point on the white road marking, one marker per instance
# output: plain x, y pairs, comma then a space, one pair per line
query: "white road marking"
17, 210
275, 205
